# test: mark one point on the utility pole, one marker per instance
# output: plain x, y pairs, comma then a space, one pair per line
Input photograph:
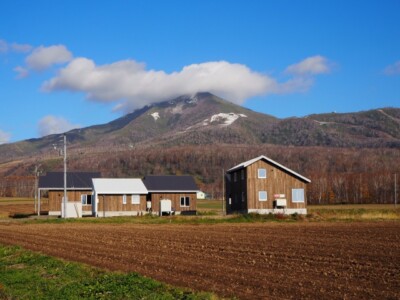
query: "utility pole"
65, 177
223, 192
36, 186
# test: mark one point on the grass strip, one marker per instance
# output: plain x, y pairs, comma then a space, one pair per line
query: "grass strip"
29, 275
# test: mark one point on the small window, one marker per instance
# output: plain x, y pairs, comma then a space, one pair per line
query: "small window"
262, 173
123, 199
86, 199
135, 199
262, 196
242, 174
230, 200
185, 201
298, 195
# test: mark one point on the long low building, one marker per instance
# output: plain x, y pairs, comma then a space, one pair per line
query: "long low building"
118, 197
79, 191
90, 195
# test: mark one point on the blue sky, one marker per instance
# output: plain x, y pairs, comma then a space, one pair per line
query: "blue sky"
79, 63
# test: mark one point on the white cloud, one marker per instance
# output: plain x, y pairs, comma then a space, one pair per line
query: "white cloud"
393, 69
3, 46
52, 125
4, 137
22, 72
128, 81
44, 57
313, 65
22, 48
14, 47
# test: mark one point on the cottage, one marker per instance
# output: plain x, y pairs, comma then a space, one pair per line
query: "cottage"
261, 185
171, 194
79, 191
118, 197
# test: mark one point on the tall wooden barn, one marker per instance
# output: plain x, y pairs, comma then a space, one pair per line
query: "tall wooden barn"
176, 194
118, 197
261, 185
79, 190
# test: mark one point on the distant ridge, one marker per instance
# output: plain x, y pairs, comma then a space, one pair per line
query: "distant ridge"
205, 119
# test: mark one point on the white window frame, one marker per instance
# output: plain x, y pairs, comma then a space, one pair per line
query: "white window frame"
135, 199
84, 199
262, 198
186, 201
258, 173
298, 196
124, 199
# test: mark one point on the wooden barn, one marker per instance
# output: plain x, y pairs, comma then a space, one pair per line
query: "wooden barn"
171, 194
118, 197
263, 186
79, 190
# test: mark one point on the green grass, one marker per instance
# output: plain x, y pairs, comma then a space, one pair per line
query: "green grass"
28, 275
355, 212
205, 205
15, 200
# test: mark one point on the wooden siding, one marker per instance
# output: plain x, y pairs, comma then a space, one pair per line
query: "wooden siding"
114, 203
277, 182
175, 201
55, 199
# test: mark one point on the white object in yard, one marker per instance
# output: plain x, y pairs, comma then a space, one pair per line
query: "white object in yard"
201, 195
148, 204
165, 206
74, 210
281, 202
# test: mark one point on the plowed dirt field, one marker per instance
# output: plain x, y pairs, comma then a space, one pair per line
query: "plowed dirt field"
249, 261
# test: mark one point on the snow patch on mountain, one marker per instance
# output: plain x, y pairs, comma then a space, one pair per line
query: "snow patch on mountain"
155, 115
177, 109
225, 119
192, 99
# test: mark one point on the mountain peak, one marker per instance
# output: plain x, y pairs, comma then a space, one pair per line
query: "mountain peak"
204, 118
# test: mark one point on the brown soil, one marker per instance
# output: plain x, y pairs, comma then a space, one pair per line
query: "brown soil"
249, 261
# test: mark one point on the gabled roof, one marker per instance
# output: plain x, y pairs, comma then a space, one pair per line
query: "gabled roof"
251, 161
170, 183
118, 186
75, 180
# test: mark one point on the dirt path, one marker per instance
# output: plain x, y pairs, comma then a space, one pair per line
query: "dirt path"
250, 261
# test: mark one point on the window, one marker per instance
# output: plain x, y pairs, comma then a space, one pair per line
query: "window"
262, 196
135, 199
242, 174
185, 201
298, 195
235, 177
86, 199
123, 199
262, 173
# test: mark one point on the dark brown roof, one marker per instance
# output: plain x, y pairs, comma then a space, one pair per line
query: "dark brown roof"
77, 180
170, 183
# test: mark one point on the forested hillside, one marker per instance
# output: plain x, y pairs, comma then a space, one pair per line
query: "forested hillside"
350, 158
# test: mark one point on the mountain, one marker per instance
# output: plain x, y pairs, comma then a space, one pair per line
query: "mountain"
205, 119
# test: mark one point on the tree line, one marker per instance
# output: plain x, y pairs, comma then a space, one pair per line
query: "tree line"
338, 175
